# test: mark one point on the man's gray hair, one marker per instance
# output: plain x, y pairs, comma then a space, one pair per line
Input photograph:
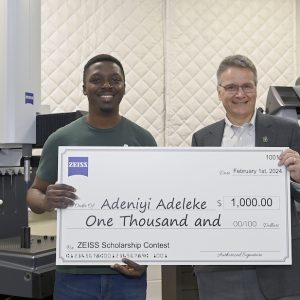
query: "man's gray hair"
238, 61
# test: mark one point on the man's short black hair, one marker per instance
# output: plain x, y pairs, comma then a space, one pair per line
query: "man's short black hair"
99, 58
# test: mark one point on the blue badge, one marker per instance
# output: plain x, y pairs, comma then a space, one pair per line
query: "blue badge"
29, 98
78, 166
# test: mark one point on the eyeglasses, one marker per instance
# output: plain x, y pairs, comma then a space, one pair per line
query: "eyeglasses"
234, 89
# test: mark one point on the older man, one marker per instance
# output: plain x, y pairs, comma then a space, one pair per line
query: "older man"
243, 126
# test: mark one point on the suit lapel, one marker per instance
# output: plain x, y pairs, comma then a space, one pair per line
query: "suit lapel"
215, 136
265, 135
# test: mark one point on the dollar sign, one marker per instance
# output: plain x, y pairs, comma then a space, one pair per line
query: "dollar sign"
219, 203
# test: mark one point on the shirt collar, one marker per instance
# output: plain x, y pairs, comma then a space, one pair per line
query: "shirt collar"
251, 123
234, 129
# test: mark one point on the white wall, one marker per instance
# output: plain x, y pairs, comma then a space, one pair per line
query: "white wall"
297, 50
170, 50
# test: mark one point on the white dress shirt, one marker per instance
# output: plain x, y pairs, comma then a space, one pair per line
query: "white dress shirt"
239, 136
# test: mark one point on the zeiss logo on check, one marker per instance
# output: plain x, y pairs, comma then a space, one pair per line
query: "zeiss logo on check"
78, 166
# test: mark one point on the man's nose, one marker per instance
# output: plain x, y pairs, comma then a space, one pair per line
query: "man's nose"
240, 91
106, 84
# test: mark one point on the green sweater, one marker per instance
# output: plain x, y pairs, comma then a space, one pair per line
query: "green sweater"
80, 133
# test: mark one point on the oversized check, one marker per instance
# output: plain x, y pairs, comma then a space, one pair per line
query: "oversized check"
174, 206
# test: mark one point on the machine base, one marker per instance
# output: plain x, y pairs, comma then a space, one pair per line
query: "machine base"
27, 272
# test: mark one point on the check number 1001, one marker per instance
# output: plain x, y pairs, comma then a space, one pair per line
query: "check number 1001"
239, 202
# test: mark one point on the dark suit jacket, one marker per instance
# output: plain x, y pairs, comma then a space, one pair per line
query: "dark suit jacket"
270, 131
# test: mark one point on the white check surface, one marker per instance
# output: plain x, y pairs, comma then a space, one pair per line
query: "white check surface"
168, 206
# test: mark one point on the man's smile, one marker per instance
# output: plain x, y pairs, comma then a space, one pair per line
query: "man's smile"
106, 97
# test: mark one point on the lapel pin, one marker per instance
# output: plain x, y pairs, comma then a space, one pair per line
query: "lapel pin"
265, 139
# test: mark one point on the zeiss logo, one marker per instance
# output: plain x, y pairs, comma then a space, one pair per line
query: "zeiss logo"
29, 98
78, 166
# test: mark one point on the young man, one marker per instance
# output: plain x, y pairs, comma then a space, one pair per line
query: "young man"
243, 126
104, 86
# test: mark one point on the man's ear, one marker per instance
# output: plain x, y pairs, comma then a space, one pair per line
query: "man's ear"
83, 89
219, 92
